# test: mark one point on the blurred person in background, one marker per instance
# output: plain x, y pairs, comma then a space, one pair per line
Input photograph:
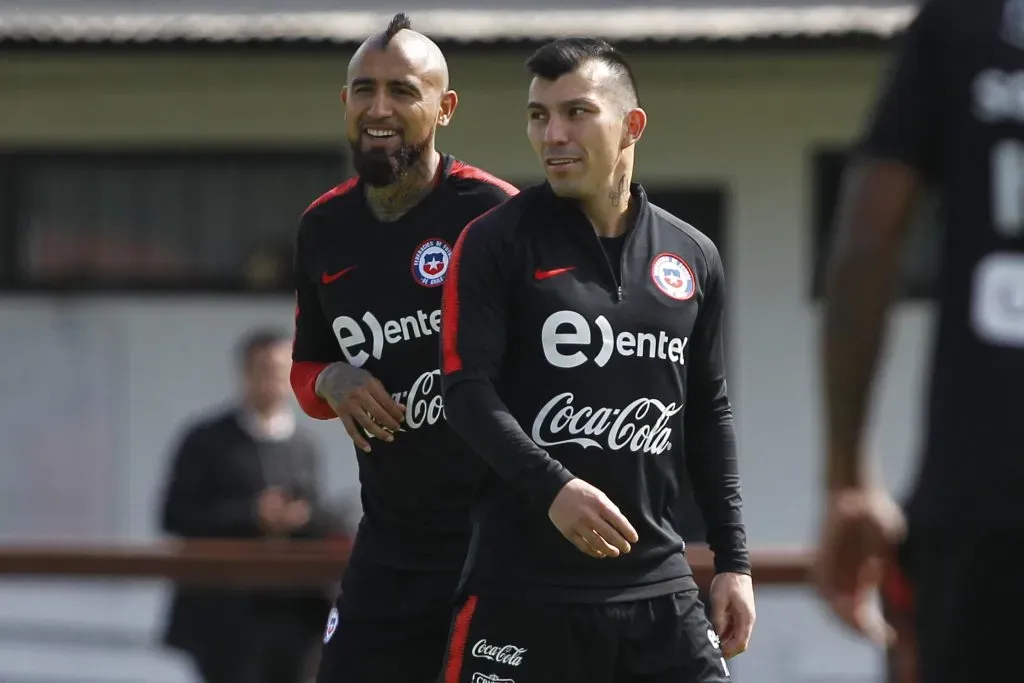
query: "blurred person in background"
583, 360
949, 119
249, 472
371, 256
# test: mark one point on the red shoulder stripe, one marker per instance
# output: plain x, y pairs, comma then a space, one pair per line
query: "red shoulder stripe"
332, 193
461, 169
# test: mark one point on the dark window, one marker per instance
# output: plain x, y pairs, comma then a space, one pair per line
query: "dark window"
169, 220
921, 259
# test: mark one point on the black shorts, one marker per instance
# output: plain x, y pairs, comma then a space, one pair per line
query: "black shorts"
388, 625
954, 602
667, 639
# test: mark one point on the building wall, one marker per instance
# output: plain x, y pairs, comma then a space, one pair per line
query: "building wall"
745, 122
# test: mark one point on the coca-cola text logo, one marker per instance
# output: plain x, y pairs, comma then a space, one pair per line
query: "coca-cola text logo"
424, 401
512, 655
643, 426
489, 678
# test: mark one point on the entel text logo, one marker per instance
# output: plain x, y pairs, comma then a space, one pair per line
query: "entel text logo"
565, 330
351, 335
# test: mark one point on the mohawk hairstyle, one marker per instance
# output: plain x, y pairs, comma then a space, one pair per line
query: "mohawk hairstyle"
398, 22
565, 55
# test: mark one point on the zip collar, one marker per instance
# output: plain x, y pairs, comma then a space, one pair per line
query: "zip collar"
642, 217
574, 217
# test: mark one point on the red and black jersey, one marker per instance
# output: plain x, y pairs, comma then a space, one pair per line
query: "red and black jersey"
562, 358
952, 108
369, 294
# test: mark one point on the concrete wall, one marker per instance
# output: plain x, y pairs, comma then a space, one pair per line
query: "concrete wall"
746, 122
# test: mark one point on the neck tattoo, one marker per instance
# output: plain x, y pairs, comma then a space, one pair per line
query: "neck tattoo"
390, 203
618, 192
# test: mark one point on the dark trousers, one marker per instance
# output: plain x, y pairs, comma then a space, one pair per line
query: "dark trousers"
274, 646
954, 601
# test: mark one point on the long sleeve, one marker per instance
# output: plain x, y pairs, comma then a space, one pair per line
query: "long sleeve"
474, 317
314, 346
188, 508
710, 432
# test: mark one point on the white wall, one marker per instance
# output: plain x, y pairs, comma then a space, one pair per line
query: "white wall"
747, 123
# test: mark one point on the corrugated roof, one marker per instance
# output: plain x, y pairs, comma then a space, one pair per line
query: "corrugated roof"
232, 21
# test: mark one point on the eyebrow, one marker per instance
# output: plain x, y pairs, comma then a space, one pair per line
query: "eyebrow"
575, 102
405, 83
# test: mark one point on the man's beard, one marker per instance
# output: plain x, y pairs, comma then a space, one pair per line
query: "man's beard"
380, 168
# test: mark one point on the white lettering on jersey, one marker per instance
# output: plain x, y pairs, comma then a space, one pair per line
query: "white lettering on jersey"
997, 299
488, 678
499, 654
643, 426
564, 330
998, 96
352, 335
997, 293
424, 402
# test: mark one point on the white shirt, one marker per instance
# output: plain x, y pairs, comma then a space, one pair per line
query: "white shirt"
279, 427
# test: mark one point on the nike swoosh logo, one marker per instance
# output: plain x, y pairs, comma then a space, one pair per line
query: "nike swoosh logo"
328, 278
545, 274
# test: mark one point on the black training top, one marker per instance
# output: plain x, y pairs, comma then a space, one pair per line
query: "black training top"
369, 294
953, 108
556, 363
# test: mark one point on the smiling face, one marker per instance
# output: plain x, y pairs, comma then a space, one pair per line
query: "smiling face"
582, 130
394, 100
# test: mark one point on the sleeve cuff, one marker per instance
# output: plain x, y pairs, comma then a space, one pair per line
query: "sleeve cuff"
735, 562
544, 486
304, 376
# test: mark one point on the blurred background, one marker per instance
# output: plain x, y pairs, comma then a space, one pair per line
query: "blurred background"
155, 157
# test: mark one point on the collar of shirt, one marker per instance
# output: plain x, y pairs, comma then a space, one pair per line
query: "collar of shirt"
278, 427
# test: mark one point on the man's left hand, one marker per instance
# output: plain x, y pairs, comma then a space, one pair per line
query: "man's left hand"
732, 611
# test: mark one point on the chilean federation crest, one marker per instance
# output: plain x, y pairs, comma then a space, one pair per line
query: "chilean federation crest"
430, 262
332, 624
672, 275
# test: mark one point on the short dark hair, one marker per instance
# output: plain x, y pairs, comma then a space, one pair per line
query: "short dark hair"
256, 340
565, 55
397, 23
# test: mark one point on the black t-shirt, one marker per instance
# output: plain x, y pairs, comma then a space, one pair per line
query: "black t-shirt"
558, 363
369, 294
953, 108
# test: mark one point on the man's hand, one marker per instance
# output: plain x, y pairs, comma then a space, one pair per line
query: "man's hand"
590, 521
359, 398
297, 514
271, 507
732, 611
863, 526
279, 513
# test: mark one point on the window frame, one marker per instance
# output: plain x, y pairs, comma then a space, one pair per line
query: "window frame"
825, 166
14, 160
